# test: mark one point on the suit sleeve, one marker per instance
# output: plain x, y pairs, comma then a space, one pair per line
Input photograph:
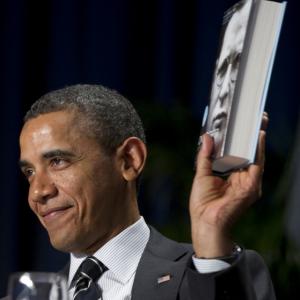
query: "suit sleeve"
247, 279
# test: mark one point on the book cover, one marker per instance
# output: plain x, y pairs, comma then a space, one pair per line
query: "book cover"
226, 71
247, 47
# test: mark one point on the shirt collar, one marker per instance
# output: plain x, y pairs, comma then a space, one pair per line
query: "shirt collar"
121, 254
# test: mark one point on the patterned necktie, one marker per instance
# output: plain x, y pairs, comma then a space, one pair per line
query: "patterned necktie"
86, 279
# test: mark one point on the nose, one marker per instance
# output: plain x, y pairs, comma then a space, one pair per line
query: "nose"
225, 88
42, 188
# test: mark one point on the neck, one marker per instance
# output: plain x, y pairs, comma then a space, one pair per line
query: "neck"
123, 218
100, 243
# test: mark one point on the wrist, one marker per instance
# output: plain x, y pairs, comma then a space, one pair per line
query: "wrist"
210, 243
235, 252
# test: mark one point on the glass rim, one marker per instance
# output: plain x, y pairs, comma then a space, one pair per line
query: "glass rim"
41, 277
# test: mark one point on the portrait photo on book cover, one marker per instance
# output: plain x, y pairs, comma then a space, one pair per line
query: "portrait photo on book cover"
226, 71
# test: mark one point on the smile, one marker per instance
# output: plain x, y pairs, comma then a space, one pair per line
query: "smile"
54, 214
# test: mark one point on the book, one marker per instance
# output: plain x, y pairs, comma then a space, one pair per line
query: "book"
248, 42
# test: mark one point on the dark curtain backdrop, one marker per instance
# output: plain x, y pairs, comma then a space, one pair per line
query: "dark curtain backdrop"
159, 54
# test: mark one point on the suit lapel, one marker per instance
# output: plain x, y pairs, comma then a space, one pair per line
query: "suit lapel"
160, 271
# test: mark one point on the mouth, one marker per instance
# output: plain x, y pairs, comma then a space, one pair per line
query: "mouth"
219, 120
53, 214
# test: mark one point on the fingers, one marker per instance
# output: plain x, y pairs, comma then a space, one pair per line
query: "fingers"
204, 162
259, 162
260, 152
264, 121
256, 170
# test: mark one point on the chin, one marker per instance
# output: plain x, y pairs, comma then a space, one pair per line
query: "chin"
62, 243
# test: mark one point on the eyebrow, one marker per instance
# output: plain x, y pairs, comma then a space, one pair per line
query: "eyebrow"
48, 155
57, 152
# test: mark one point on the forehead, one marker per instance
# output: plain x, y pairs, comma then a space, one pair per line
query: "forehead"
50, 130
235, 31
54, 123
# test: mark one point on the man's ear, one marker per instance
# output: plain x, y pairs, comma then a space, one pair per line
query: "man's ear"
132, 154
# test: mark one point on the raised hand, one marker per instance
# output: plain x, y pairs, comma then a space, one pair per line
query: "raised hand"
217, 203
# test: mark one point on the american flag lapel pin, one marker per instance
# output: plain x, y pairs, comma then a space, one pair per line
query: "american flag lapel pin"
164, 278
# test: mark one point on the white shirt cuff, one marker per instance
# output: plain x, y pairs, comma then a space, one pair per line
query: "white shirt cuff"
209, 265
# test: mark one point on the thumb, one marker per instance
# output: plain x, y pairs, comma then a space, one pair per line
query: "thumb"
204, 162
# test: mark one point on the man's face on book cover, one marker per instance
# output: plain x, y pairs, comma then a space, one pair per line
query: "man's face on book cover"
226, 74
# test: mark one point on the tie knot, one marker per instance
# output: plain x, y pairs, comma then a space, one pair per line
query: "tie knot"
92, 267
86, 279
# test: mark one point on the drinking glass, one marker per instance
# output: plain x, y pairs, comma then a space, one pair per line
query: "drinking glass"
37, 286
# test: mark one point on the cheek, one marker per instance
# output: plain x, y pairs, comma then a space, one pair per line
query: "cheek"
66, 180
214, 95
231, 89
71, 188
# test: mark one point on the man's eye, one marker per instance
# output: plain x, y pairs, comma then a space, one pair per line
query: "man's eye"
223, 68
28, 172
221, 72
236, 60
57, 161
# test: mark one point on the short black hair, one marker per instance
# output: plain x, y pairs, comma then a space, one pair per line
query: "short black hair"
106, 115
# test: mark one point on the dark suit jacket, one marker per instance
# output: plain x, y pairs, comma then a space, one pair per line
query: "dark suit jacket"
247, 278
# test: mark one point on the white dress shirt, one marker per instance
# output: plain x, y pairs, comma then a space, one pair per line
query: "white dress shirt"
121, 255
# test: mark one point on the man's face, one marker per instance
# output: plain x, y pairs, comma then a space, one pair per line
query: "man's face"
75, 189
226, 72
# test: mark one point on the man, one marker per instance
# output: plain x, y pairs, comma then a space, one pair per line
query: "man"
83, 151
226, 70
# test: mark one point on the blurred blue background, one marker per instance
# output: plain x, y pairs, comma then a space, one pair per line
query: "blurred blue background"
160, 55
